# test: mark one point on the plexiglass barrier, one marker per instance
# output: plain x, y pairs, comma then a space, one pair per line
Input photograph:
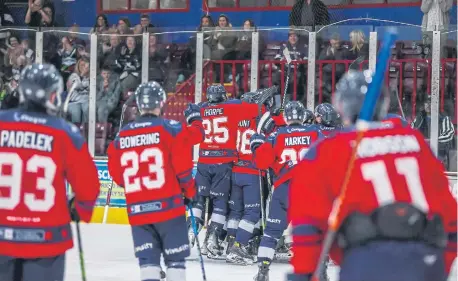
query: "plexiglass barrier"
101, 71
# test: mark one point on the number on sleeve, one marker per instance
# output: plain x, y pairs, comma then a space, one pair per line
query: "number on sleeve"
243, 141
13, 180
132, 161
377, 174
215, 131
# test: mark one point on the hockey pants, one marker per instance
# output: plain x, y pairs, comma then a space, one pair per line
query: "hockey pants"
153, 240
214, 181
276, 222
244, 206
40, 269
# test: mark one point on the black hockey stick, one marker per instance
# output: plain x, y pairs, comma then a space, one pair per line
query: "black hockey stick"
196, 234
288, 71
110, 188
80, 251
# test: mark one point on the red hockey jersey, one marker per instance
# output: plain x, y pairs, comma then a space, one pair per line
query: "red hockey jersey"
392, 164
152, 159
38, 154
220, 122
285, 147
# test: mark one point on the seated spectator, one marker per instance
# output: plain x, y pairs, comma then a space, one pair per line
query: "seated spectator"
359, 49
138, 29
298, 53
422, 122
68, 58
158, 57
28, 52
74, 38
110, 51
123, 26
78, 91
145, 21
129, 64
101, 25
108, 93
9, 96
332, 52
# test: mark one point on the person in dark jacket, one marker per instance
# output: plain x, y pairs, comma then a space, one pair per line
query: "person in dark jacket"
309, 13
108, 93
6, 18
422, 122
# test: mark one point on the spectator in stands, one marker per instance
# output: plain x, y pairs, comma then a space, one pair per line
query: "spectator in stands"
145, 21
158, 57
331, 53
108, 93
298, 53
422, 122
138, 29
40, 13
124, 26
28, 52
9, 96
309, 13
101, 24
78, 89
6, 18
74, 38
68, 57
223, 43
110, 51
436, 17
359, 50
13, 50
129, 63
206, 23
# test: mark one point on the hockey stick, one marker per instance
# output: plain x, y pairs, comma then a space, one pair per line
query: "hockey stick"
288, 71
80, 251
110, 188
196, 234
366, 114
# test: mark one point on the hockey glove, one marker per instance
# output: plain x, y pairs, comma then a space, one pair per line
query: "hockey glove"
73, 212
256, 141
192, 113
187, 201
298, 277
277, 111
265, 124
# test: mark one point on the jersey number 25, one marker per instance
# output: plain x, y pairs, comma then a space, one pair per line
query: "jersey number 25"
14, 180
215, 131
132, 160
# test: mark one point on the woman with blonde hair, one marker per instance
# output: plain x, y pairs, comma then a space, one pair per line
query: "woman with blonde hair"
359, 49
78, 89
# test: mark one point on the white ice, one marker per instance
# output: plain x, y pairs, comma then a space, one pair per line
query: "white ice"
109, 256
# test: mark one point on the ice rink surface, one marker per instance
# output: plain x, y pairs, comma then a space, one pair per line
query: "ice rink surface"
109, 256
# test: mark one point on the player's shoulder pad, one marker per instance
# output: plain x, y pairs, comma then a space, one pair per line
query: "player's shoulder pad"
172, 126
73, 132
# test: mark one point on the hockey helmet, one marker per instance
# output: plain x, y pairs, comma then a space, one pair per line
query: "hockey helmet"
150, 96
216, 93
327, 113
294, 112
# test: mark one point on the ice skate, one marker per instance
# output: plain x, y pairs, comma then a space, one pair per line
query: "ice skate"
203, 247
229, 241
284, 253
238, 254
263, 272
213, 245
163, 275
254, 245
191, 234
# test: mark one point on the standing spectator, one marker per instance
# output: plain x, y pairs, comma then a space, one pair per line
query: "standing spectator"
39, 13
101, 24
422, 122
6, 18
359, 50
436, 17
309, 13
157, 59
145, 21
333, 52
108, 93
223, 44
78, 89
129, 63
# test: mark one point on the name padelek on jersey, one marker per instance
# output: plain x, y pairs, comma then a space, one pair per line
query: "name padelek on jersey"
26, 139
302, 140
139, 140
395, 144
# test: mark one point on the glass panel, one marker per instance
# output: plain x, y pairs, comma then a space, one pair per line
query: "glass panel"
253, 3
109, 5
282, 3
273, 66
221, 3
403, 1
172, 63
173, 4
336, 2
17, 50
338, 49
369, 1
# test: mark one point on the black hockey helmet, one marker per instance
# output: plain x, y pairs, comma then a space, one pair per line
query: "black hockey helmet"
294, 112
41, 85
350, 93
250, 97
327, 114
150, 96
216, 93
309, 117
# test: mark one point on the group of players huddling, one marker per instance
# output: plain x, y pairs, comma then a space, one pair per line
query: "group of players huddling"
397, 219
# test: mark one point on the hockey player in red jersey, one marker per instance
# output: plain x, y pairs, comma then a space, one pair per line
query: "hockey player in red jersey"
397, 218
152, 159
39, 153
282, 150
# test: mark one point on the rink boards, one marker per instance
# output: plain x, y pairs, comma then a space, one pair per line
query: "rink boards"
117, 211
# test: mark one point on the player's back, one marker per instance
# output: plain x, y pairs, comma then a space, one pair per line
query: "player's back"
220, 121
391, 165
38, 152
145, 159
245, 129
